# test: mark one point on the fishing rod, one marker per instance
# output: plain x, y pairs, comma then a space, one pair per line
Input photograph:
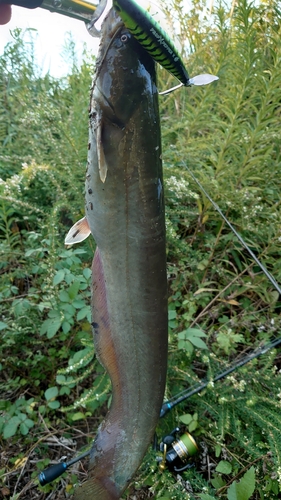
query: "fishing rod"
182, 396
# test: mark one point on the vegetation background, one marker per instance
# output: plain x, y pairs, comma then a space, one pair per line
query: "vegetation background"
221, 306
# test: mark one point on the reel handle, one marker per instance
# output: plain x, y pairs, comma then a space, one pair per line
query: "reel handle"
77, 9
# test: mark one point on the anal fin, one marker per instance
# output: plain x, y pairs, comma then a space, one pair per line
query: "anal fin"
79, 232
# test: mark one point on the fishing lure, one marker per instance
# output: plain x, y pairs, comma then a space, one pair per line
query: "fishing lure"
157, 43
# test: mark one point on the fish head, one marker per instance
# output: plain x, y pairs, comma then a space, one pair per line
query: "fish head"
123, 72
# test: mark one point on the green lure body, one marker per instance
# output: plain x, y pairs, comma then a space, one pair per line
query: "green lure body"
152, 37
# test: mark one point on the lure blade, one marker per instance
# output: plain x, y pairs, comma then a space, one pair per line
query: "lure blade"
198, 81
203, 79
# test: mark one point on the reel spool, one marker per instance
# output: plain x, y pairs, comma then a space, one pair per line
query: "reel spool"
177, 451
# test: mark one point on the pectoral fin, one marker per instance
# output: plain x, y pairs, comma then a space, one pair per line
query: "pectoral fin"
101, 156
79, 232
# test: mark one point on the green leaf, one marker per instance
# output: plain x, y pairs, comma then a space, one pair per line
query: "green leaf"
10, 428
173, 324
69, 310
193, 335
205, 496
217, 481
51, 393
224, 467
64, 297
186, 419
182, 344
182, 336
78, 304
232, 492
64, 390
244, 489
54, 313
172, 314
73, 290
87, 273
29, 423
50, 326
194, 332
217, 450
78, 416
192, 426
26, 426
84, 313
66, 326
59, 276
185, 345
60, 379
198, 342
80, 355
54, 405
3, 325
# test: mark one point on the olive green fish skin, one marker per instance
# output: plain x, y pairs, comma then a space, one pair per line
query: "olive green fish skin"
125, 212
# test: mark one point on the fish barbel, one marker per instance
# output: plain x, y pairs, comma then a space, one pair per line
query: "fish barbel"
125, 214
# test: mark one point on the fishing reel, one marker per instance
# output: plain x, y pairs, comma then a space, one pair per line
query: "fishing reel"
88, 11
177, 451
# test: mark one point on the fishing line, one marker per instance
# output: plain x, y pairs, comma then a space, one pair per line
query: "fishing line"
257, 261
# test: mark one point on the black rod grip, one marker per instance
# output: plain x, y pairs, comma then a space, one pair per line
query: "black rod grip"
48, 475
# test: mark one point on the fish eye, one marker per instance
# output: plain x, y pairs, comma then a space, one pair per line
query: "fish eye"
124, 38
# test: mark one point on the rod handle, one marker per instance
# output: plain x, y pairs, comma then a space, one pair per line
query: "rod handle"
48, 475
